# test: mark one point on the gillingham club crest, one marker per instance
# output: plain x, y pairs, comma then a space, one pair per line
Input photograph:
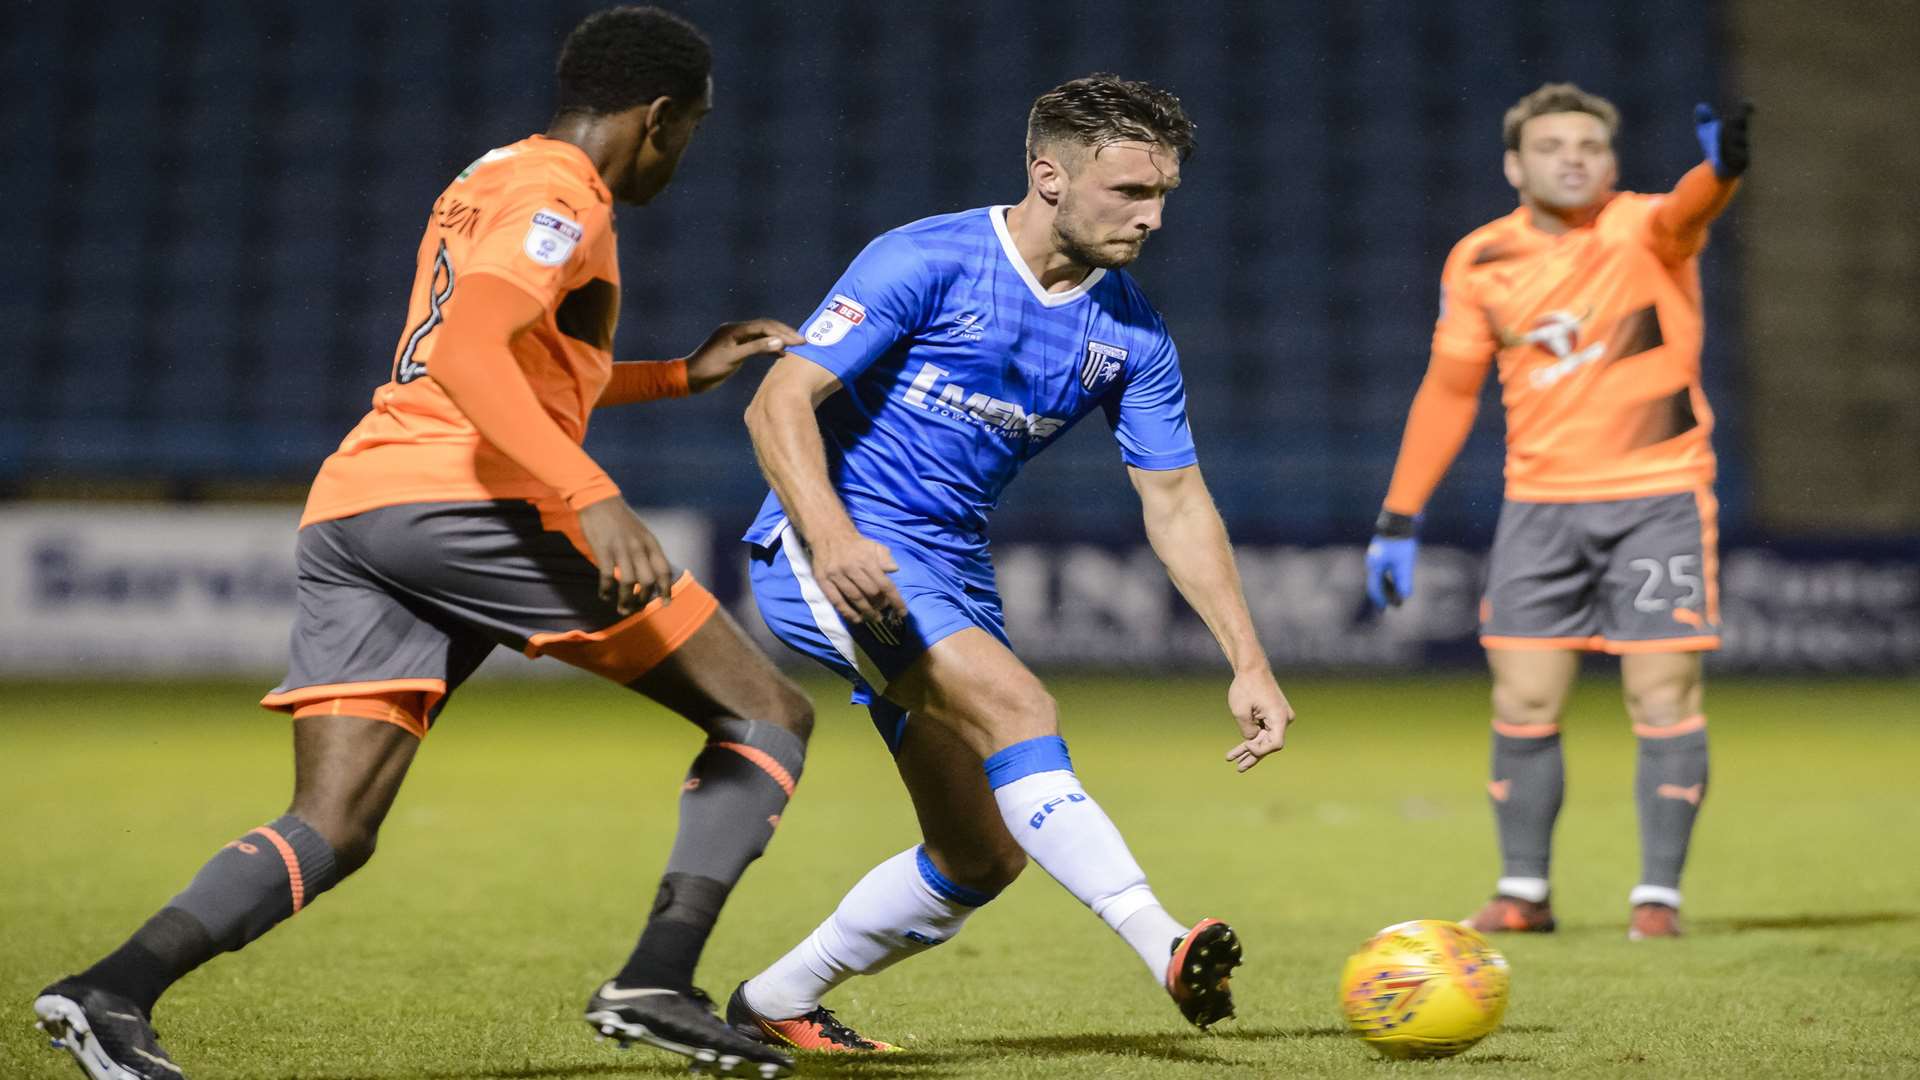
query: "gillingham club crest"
1101, 366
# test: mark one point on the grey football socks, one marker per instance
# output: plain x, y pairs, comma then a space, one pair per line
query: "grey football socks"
247, 887
1669, 785
1527, 786
729, 806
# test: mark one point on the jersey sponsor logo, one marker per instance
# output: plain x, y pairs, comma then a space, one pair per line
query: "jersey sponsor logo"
1558, 332
551, 237
1005, 417
1101, 366
840, 316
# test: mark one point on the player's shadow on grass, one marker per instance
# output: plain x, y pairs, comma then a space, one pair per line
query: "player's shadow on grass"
1180, 1048
1334, 1031
1177, 1047
1835, 921
635, 1067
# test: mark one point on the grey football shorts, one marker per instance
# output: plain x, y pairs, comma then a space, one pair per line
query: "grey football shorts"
1618, 576
410, 599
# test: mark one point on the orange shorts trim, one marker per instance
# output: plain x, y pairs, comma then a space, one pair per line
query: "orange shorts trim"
636, 644
430, 691
1596, 643
1495, 641
405, 709
1698, 643
1672, 731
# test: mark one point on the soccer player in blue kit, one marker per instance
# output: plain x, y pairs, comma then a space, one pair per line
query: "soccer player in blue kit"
952, 351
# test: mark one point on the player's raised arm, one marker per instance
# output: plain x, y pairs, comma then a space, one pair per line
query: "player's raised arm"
1438, 424
1678, 229
1186, 532
474, 364
851, 569
714, 362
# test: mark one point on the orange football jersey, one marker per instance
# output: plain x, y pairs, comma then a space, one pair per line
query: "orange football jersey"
1598, 346
535, 214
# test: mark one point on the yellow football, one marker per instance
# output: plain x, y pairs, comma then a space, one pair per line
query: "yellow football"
1424, 989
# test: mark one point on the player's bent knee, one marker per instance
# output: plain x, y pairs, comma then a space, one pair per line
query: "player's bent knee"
1032, 713
352, 841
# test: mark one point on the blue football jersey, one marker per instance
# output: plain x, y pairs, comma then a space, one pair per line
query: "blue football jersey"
957, 367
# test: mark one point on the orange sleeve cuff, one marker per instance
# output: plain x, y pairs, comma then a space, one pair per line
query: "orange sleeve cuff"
644, 380
475, 365
1679, 224
1437, 426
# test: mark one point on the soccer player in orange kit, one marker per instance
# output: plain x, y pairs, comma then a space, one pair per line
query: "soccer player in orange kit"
1588, 300
462, 514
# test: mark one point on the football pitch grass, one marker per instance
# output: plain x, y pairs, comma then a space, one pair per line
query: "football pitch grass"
521, 858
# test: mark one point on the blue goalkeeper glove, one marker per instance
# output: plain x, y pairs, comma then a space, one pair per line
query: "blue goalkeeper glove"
1390, 559
1724, 139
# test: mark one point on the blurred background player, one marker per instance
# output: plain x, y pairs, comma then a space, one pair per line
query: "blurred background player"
462, 514
1590, 301
952, 351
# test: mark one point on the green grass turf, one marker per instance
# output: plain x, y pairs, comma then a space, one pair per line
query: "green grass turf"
520, 859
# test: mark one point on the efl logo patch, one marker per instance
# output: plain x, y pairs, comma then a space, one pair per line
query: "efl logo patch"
551, 238
1101, 366
840, 316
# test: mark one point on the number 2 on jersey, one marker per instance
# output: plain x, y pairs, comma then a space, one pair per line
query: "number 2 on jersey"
406, 368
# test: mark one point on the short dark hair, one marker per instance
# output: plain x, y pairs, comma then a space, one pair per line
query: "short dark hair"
1557, 97
627, 56
1103, 109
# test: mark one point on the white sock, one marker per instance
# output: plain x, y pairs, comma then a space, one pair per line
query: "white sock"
902, 907
1060, 827
1151, 932
1655, 894
1523, 888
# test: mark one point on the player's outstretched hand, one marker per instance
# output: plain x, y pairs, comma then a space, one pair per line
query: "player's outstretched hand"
1263, 714
852, 573
1724, 138
734, 344
633, 569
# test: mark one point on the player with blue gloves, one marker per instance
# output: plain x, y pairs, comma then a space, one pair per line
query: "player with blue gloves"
1587, 302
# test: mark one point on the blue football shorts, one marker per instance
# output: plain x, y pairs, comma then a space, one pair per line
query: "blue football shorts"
939, 605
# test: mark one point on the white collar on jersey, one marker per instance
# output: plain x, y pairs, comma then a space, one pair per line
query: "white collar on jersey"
998, 215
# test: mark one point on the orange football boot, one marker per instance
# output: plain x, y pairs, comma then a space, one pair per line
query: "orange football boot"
1512, 915
818, 1031
1200, 971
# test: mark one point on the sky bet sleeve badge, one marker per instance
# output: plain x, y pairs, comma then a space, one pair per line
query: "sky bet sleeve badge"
550, 239
841, 314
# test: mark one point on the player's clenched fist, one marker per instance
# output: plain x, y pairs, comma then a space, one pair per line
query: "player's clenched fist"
852, 572
633, 569
734, 344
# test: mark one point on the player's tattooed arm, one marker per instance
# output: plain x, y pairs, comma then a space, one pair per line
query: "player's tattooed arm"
851, 569
1186, 532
